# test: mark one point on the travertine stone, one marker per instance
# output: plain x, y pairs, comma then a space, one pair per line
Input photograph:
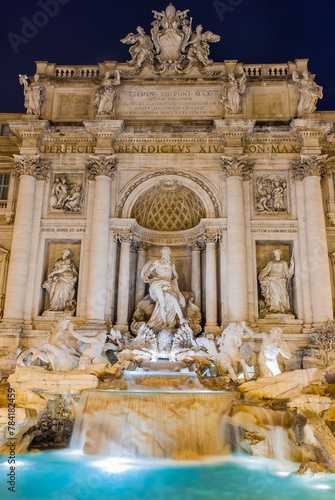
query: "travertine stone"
235, 167
29, 168
211, 282
123, 286
98, 263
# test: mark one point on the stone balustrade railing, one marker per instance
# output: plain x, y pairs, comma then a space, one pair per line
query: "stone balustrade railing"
279, 71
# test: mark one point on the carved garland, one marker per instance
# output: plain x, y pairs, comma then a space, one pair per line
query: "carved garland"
167, 171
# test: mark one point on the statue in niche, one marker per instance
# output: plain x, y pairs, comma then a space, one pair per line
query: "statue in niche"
232, 91
106, 93
65, 198
33, 95
169, 301
274, 280
61, 283
272, 345
142, 49
310, 92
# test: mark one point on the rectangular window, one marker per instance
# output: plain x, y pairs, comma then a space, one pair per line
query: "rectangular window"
4, 184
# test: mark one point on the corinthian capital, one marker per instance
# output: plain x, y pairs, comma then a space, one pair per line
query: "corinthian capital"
237, 166
31, 165
101, 165
309, 165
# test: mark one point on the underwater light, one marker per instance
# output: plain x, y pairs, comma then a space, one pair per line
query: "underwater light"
112, 465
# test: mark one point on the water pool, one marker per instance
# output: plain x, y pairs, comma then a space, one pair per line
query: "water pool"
64, 475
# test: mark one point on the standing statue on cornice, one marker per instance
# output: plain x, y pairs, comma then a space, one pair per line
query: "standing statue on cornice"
232, 91
142, 48
106, 93
310, 92
33, 95
163, 279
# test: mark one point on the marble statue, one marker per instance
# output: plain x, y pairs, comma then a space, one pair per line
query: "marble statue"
272, 345
56, 352
91, 348
142, 48
198, 46
33, 95
163, 280
106, 93
310, 92
274, 279
225, 353
61, 283
172, 44
232, 91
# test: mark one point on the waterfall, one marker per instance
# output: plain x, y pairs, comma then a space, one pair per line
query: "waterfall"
147, 424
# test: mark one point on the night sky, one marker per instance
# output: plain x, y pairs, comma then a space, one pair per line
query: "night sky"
89, 32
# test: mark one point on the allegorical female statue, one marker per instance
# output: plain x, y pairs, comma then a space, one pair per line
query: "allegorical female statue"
274, 280
232, 91
164, 291
106, 93
61, 283
33, 95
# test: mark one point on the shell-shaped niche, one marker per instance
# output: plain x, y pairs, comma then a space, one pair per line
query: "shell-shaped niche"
168, 206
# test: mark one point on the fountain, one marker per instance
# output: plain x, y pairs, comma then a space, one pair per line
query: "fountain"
175, 416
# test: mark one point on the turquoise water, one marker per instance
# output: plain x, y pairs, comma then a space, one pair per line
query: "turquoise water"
62, 475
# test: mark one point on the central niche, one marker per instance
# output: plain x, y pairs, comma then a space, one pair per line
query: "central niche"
168, 206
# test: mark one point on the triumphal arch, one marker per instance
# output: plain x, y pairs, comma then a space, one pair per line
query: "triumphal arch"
227, 164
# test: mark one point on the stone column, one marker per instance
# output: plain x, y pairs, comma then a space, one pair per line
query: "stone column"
28, 168
236, 168
196, 273
312, 168
102, 169
211, 282
141, 249
123, 285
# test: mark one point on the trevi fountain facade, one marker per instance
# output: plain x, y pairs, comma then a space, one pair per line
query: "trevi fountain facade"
168, 223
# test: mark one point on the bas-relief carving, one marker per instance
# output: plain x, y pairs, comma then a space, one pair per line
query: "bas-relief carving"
271, 194
66, 193
61, 283
309, 91
33, 95
232, 91
171, 46
105, 94
274, 279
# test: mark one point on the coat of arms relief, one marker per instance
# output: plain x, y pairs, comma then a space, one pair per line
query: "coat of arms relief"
172, 46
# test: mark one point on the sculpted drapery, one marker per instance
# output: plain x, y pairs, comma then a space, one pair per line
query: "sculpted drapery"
61, 283
163, 279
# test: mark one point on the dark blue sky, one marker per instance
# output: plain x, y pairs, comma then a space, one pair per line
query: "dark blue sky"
89, 31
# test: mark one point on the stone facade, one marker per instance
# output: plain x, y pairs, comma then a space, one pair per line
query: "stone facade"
170, 164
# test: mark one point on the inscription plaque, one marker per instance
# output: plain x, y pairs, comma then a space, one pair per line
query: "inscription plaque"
180, 102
